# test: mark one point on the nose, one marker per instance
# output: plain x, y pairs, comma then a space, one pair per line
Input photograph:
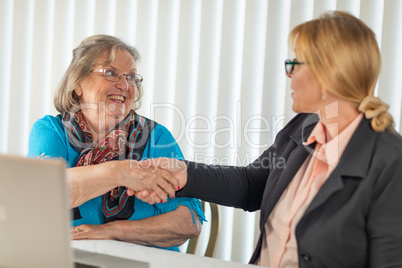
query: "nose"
123, 84
289, 75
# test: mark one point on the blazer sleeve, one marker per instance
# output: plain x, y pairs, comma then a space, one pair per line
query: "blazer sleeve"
384, 221
240, 187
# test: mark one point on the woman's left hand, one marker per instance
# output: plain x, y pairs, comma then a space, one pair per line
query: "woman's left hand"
169, 229
86, 231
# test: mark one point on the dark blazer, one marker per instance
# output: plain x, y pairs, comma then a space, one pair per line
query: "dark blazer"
355, 220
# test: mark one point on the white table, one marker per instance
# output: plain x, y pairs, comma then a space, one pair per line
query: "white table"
157, 258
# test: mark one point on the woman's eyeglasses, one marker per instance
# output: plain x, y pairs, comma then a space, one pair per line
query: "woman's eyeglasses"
115, 75
290, 65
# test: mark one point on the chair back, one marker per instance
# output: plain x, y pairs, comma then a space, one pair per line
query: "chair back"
213, 235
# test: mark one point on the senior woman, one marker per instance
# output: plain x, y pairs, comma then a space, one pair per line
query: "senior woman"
97, 126
336, 200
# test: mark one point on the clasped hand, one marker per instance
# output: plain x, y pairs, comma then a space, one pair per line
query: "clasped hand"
162, 178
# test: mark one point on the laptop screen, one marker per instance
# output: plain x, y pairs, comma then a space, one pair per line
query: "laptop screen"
34, 221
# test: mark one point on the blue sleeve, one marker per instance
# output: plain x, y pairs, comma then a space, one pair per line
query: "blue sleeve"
48, 140
162, 144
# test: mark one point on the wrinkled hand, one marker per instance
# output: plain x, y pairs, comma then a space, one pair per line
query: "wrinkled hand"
87, 231
167, 168
139, 177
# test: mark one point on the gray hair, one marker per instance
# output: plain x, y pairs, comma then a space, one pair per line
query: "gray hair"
84, 59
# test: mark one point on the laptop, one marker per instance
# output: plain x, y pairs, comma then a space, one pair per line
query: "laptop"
35, 218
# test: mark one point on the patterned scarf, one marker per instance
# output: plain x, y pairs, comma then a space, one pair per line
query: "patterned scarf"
126, 141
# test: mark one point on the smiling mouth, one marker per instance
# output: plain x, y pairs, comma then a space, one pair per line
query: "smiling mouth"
116, 98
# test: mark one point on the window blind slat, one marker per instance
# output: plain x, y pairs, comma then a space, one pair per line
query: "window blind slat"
187, 70
84, 20
208, 79
226, 121
371, 12
300, 11
166, 58
252, 80
105, 17
126, 24
147, 28
63, 39
228, 95
390, 83
41, 92
274, 80
321, 6
352, 6
18, 129
6, 28
249, 121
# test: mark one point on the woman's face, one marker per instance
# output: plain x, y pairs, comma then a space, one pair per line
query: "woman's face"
307, 91
98, 95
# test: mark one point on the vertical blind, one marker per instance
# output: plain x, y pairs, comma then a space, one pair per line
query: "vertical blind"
213, 72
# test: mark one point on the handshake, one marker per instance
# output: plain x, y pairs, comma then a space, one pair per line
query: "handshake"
154, 180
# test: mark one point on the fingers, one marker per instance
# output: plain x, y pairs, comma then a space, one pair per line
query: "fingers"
130, 192
163, 190
176, 173
86, 231
145, 196
152, 181
148, 197
155, 179
147, 163
167, 182
169, 164
79, 232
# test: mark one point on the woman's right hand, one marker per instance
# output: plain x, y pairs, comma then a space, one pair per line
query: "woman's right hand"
147, 177
166, 169
88, 182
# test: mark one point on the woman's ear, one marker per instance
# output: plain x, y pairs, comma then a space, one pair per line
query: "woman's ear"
78, 90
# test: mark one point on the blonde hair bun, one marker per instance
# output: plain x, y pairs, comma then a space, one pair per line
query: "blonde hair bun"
375, 109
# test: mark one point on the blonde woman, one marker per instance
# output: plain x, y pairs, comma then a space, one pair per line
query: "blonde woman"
335, 202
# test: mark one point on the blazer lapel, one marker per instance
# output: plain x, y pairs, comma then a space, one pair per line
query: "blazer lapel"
354, 162
279, 179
